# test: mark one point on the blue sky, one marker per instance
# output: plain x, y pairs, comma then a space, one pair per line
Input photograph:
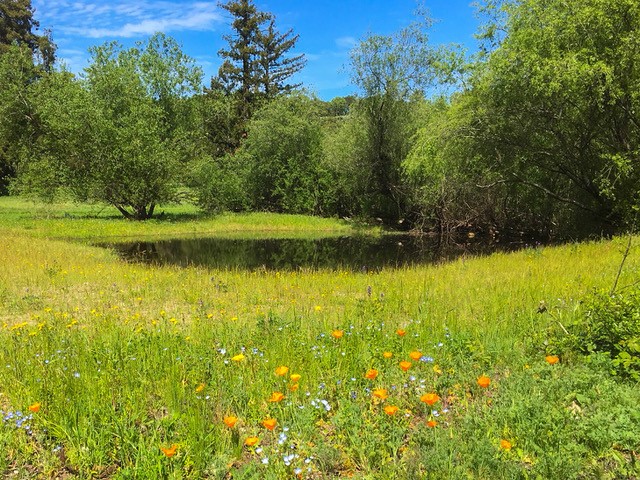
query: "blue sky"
328, 29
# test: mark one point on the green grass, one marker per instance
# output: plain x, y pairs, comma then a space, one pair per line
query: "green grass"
127, 359
92, 222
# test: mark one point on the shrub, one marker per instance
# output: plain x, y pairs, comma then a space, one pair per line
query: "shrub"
610, 325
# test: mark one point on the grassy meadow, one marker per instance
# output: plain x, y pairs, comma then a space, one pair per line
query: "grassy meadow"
116, 370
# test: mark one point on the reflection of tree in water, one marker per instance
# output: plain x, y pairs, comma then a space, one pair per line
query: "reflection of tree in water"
350, 253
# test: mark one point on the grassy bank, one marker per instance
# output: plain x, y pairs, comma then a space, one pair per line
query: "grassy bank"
91, 222
113, 370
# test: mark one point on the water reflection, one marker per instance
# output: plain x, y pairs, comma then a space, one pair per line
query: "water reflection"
359, 253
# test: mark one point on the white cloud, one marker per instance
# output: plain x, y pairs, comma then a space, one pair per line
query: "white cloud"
125, 19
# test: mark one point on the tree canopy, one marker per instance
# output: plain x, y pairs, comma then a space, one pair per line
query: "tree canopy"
17, 27
256, 62
117, 135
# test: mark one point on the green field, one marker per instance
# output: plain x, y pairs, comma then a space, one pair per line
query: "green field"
131, 371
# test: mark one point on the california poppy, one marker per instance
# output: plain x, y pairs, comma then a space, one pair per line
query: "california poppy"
552, 359
432, 423
238, 358
269, 423
401, 332
387, 354
169, 452
295, 377
371, 374
430, 398
230, 421
380, 393
276, 397
281, 371
484, 381
390, 409
405, 365
337, 334
415, 355
35, 408
200, 388
505, 445
251, 441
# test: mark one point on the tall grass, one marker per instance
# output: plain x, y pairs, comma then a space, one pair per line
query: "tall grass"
119, 361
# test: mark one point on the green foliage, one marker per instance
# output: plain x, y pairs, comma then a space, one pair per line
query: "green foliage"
220, 183
122, 135
17, 27
393, 73
283, 150
17, 71
610, 325
558, 103
257, 63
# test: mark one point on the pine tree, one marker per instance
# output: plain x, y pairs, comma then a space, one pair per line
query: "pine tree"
255, 64
17, 26
238, 71
274, 67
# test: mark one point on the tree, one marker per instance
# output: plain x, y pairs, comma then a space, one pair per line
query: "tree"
255, 65
393, 73
559, 105
17, 71
119, 135
23, 58
17, 27
283, 152
275, 67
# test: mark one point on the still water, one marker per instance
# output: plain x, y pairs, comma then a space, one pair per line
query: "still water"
354, 253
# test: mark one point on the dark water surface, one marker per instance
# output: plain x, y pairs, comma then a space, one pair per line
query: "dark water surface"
354, 253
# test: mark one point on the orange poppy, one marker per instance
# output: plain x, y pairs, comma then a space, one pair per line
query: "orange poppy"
295, 377
35, 408
269, 423
371, 374
505, 445
276, 397
387, 354
282, 371
230, 421
432, 423
552, 359
415, 355
251, 441
430, 398
381, 393
484, 381
390, 409
200, 388
337, 333
401, 332
405, 365
294, 387
169, 452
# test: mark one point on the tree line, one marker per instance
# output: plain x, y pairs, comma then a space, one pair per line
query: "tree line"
538, 132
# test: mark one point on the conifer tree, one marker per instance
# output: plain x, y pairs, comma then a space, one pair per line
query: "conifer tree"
274, 66
17, 26
255, 63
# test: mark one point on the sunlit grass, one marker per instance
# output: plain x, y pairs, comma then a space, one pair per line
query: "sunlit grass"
137, 371
92, 222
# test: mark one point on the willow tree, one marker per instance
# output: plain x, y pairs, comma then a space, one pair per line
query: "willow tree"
559, 102
393, 73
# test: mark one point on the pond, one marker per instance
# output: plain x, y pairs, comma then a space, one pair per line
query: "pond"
353, 253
